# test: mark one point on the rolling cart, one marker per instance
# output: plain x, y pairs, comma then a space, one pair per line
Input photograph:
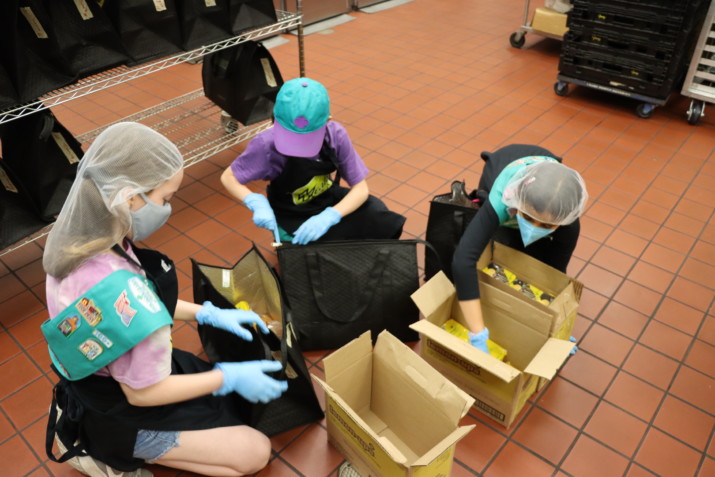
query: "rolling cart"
644, 109
632, 48
699, 82
546, 22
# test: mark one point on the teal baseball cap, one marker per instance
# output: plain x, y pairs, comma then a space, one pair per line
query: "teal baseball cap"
301, 116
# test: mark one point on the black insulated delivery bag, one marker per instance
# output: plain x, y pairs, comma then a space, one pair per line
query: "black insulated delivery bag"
86, 36
243, 81
340, 289
448, 217
41, 156
149, 29
29, 49
203, 22
253, 281
18, 219
248, 14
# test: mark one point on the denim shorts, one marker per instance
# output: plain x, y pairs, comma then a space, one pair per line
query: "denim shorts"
152, 445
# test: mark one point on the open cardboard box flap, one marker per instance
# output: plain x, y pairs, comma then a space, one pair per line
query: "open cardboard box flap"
550, 358
448, 399
440, 447
496, 367
436, 301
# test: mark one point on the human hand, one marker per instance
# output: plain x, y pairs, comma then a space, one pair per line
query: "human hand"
479, 340
230, 320
263, 215
249, 379
316, 226
575, 348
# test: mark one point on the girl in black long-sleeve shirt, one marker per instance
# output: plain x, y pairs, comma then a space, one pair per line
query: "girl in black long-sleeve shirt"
533, 206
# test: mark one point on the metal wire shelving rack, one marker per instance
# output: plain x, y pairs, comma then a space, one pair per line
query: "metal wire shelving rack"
191, 121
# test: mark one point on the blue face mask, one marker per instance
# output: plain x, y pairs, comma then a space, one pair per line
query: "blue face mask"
148, 219
530, 233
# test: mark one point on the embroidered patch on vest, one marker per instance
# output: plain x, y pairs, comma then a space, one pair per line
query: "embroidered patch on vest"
69, 325
90, 349
89, 311
144, 294
126, 313
101, 337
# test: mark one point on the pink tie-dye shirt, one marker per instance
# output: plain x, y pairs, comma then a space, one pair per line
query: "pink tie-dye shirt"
149, 362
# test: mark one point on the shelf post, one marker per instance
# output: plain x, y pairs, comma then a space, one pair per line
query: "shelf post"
301, 50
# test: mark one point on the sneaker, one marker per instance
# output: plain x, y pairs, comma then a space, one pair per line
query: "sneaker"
94, 468
346, 470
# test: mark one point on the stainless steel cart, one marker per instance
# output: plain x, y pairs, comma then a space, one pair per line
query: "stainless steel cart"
517, 38
699, 82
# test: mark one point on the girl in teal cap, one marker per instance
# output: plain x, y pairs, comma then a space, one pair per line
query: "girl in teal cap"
303, 157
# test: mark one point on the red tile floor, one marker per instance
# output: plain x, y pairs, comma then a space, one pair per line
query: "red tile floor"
423, 88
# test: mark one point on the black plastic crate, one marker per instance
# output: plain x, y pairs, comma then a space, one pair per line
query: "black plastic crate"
671, 39
658, 87
624, 65
655, 47
666, 7
649, 20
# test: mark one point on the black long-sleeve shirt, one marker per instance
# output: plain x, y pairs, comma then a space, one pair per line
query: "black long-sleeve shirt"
554, 250
473, 242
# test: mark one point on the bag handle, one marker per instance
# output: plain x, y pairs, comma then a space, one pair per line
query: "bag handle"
430, 247
48, 125
374, 280
53, 425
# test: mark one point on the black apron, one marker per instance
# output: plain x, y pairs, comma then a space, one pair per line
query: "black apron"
97, 414
372, 220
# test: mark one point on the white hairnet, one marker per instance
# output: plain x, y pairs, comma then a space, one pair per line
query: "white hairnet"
124, 160
548, 192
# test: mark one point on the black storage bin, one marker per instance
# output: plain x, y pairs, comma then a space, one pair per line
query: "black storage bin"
30, 52
203, 22
149, 29
85, 35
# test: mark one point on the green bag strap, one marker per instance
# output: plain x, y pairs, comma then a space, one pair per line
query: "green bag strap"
104, 323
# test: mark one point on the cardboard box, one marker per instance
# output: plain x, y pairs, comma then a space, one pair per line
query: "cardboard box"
520, 324
566, 290
549, 21
388, 412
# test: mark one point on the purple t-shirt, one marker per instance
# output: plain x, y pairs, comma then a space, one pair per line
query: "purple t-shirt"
261, 160
146, 363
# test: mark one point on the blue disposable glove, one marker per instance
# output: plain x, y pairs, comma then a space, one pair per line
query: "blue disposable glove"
263, 215
479, 340
249, 379
316, 226
575, 348
230, 320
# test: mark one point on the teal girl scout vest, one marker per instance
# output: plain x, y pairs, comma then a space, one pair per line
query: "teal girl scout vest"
104, 323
